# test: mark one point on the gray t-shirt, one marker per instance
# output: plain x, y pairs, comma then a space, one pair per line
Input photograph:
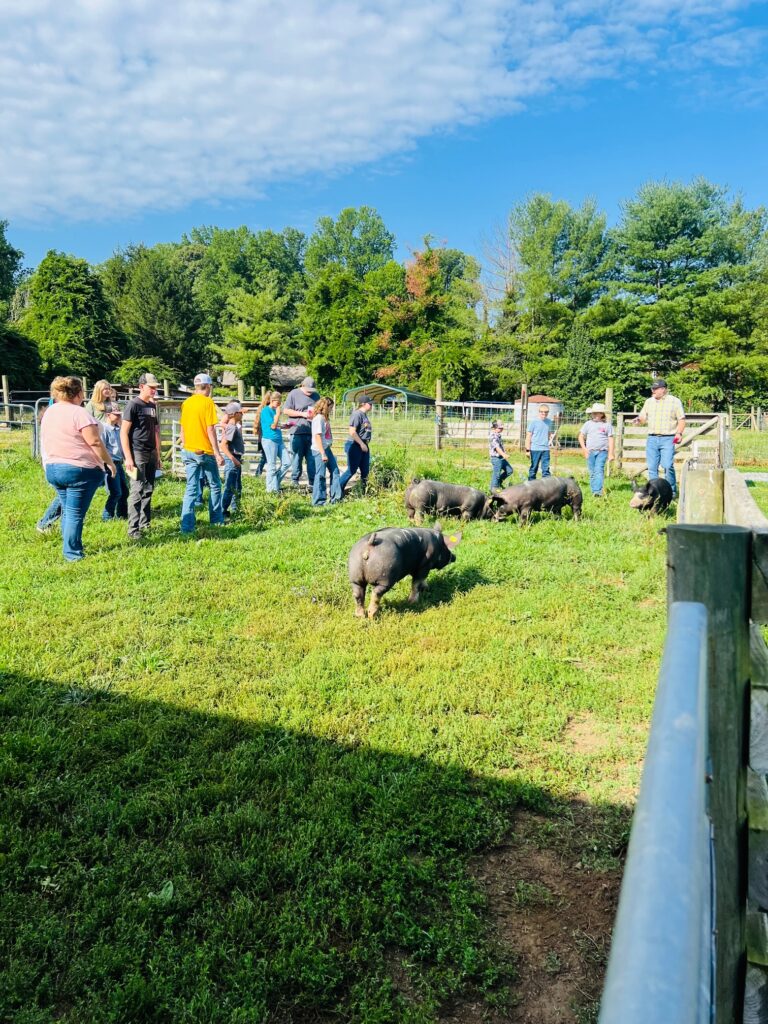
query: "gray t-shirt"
359, 420
596, 434
300, 402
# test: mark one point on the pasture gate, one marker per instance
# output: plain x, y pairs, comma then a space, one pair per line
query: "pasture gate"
703, 439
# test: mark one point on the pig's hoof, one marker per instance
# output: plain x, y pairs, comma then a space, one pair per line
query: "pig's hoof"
372, 612
360, 613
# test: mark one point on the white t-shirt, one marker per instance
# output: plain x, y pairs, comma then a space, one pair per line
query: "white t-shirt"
321, 426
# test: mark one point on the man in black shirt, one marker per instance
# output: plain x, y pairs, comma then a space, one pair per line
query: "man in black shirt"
140, 436
358, 446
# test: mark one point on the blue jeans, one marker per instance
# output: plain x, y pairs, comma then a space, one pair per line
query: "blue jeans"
320, 468
275, 469
262, 460
233, 485
596, 465
660, 448
75, 486
195, 466
500, 470
52, 514
539, 457
117, 499
356, 459
301, 446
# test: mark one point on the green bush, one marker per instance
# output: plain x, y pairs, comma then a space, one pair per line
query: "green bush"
389, 467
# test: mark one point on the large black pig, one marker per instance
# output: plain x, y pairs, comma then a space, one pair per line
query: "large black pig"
655, 496
550, 494
382, 558
433, 497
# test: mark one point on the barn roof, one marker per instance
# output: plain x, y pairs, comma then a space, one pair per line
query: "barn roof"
380, 393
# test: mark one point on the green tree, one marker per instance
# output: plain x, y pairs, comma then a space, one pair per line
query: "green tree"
19, 358
68, 317
357, 241
10, 269
256, 334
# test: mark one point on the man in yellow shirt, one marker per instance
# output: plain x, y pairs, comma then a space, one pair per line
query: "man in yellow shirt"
665, 417
200, 453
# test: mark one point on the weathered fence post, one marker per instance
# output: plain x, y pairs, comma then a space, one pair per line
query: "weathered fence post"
85, 387
253, 393
166, 389
263, 391
711, 565
438, 414
241, 391
6, 398
523, 416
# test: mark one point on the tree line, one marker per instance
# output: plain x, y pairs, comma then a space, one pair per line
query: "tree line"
561, 302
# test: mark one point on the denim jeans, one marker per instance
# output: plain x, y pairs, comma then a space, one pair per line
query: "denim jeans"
75, 486
500, 470
275, 469
52, 514
301, 446
194, 466
117, 499
660, 448
233, 485
318, 487
262, 459
596, 465
539, 458
356, 459
141, 491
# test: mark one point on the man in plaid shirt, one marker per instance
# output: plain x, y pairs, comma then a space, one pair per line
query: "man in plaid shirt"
665, 417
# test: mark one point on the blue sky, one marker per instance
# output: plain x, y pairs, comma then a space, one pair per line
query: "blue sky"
132, 124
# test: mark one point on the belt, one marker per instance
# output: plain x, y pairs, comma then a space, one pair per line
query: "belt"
661, 435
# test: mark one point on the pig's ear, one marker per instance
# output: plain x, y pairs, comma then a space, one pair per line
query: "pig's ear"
452, 539
438, 527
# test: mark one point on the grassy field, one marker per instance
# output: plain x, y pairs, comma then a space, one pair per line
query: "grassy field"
224, 799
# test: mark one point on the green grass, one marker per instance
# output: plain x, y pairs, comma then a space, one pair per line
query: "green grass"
225, 799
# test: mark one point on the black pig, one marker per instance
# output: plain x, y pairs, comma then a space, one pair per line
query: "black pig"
382, 558
550, 494
433, 496
655, 496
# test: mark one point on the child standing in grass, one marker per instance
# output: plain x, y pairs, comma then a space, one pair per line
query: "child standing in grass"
117, 485
596, 443
538, 441
500, 467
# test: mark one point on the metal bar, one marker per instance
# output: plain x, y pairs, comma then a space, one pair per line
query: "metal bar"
660, 963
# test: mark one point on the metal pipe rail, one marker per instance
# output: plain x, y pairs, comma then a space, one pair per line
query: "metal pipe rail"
661, 967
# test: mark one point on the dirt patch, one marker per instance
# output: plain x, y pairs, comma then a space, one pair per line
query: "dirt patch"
587, 735
553, 917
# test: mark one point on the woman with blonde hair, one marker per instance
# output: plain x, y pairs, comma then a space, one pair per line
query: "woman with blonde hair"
75, 459
325, 460
102, 396
272, 439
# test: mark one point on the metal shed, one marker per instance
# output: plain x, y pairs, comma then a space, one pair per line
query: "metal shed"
383, 394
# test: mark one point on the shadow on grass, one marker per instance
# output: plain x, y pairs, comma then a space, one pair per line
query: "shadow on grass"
160, 864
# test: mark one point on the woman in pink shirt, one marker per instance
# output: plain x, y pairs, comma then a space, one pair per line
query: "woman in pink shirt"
75, 459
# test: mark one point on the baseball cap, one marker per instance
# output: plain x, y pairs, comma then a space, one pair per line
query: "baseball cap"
232, 407
364, 400
660, 383
150, 380
308, 382
203, 378
114, 407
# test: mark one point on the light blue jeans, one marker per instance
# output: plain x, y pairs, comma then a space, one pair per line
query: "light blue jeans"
195, 466
75, 486
660, 449
319, 487
275, 469
596, 461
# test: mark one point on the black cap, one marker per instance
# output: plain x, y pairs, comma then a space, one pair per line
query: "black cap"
364, 400
660, 383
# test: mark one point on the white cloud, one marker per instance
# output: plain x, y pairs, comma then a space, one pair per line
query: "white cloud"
114, 106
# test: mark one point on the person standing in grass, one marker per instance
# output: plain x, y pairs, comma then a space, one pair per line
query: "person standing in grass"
500, 467
201, 453
538, 441
102, 396
117, 485
298, 408
325, 460
597, 446
272, 440
665, 417
140, 440
358, 445
233, 450
76, 460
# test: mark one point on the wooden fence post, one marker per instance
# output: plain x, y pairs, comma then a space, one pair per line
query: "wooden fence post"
241, 391
166, 388
619, 448
438, 414
523, 416
711, 564
263, 392
85, 386
253, 393
6, 398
